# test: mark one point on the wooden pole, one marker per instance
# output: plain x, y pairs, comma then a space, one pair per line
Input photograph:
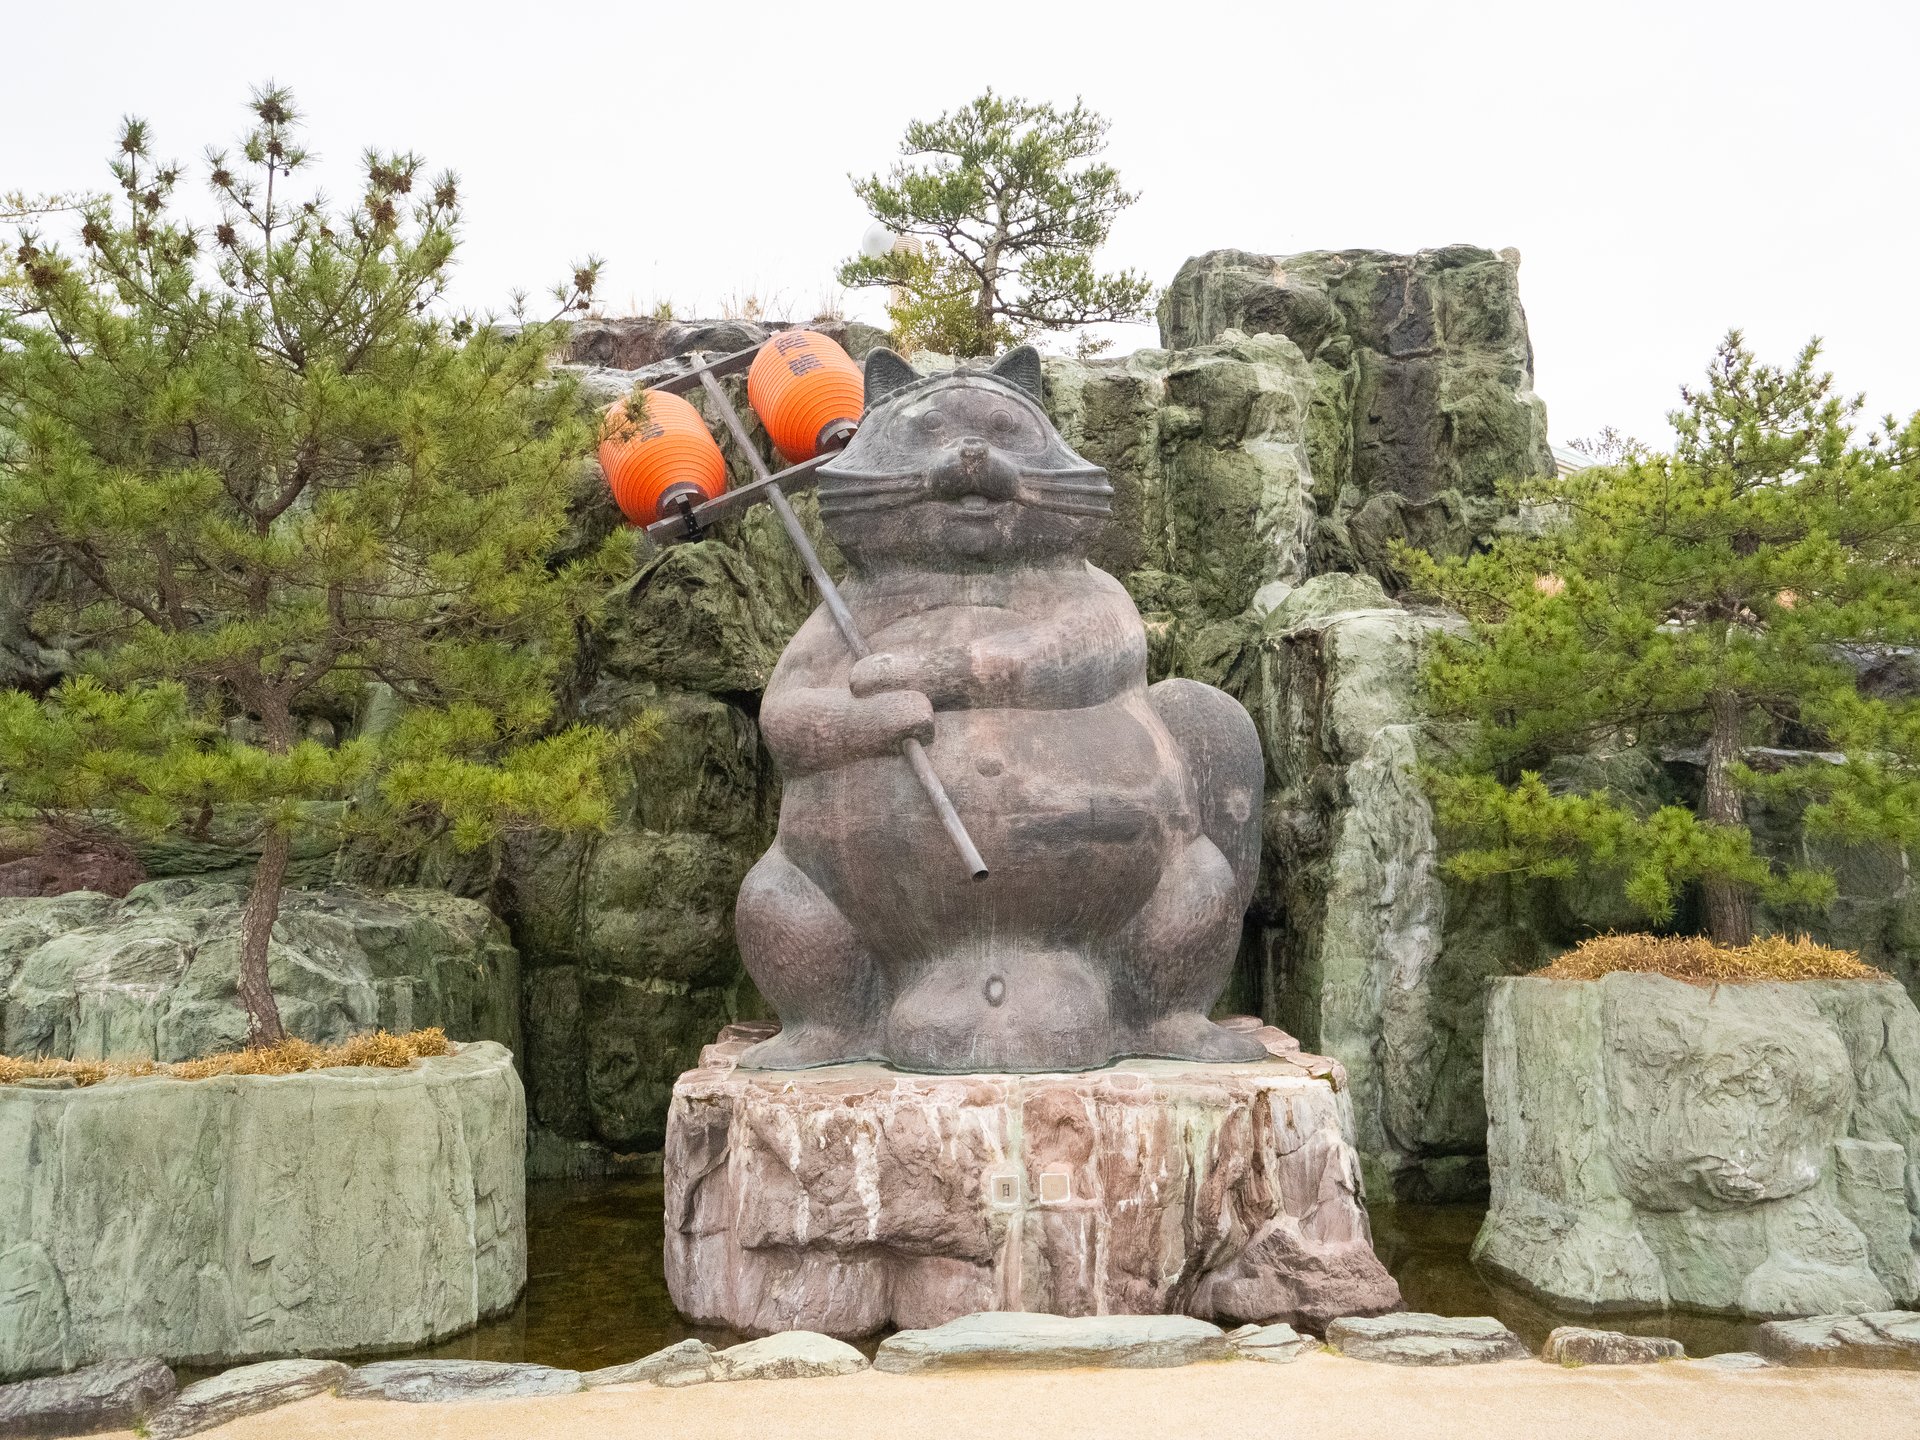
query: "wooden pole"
913, 750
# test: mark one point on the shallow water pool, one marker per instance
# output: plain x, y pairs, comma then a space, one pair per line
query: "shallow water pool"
597, 1294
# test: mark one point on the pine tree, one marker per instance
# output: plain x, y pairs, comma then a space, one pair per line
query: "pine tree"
1715, 597
1006, 205
272, 476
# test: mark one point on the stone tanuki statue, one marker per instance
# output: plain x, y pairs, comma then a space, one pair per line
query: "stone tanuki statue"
1120, 822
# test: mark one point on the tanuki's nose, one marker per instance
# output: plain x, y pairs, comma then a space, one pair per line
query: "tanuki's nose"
969, 466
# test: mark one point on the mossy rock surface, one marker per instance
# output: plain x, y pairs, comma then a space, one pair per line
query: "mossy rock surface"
1421, 393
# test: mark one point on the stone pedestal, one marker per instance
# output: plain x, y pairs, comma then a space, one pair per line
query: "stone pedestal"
853, 1198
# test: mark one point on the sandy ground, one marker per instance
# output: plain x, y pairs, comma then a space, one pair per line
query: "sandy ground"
1319, 1397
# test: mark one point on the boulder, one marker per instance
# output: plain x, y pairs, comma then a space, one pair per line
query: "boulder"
1577, 1345
247, 1216
1875, 911
1743, 1149
628, 342
1887, 1339
1416, 1339
432, 1382
155, 975
1277, 1344
1020, 1341
790, 1355
851, 1197
245, 1390
631, 342
698, 617
113, 1395
688, 1363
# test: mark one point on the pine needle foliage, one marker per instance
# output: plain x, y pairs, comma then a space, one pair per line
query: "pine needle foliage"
377, 1049
1008, 203
274, 476
1712, 600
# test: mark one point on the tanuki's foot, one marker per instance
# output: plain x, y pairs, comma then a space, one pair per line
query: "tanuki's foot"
1192, 1036
806, 1047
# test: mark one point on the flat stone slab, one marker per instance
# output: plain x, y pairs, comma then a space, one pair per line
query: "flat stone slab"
1735, 1361
1023, 1341
688, 1363
112, 1395
1418, 1339
1886, 1339
852, 1199
1277, 1344
792, 1355
1578, 1345
429, 1382
244, 1390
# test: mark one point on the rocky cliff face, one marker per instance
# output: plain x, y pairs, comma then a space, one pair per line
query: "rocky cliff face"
1361, 940
1422, 384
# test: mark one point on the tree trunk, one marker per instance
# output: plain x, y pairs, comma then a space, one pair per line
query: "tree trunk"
989, 300
256, 933
263, 902
1729, 906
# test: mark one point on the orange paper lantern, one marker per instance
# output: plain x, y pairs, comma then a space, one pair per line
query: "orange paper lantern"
805, 389
670, 453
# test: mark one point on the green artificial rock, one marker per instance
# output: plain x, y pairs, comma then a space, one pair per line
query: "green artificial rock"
1111, 411
1239, 509
245, 1217
696, 616
1744, 1149
1421, 398
1209, 464
1369, 954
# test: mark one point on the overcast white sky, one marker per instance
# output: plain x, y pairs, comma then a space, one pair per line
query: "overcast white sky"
1667, 169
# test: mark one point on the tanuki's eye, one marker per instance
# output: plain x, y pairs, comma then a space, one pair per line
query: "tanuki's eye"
931, 421
1001, 422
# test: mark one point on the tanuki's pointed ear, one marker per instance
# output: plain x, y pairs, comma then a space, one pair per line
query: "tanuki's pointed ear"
1020, 368
886, 373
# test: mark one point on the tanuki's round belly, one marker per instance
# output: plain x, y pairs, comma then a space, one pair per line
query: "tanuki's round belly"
1075, 812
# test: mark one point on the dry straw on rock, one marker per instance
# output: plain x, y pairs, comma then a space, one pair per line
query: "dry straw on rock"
289, 1057
1701, 962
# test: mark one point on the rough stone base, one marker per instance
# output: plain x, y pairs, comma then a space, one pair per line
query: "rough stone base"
852, 1198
